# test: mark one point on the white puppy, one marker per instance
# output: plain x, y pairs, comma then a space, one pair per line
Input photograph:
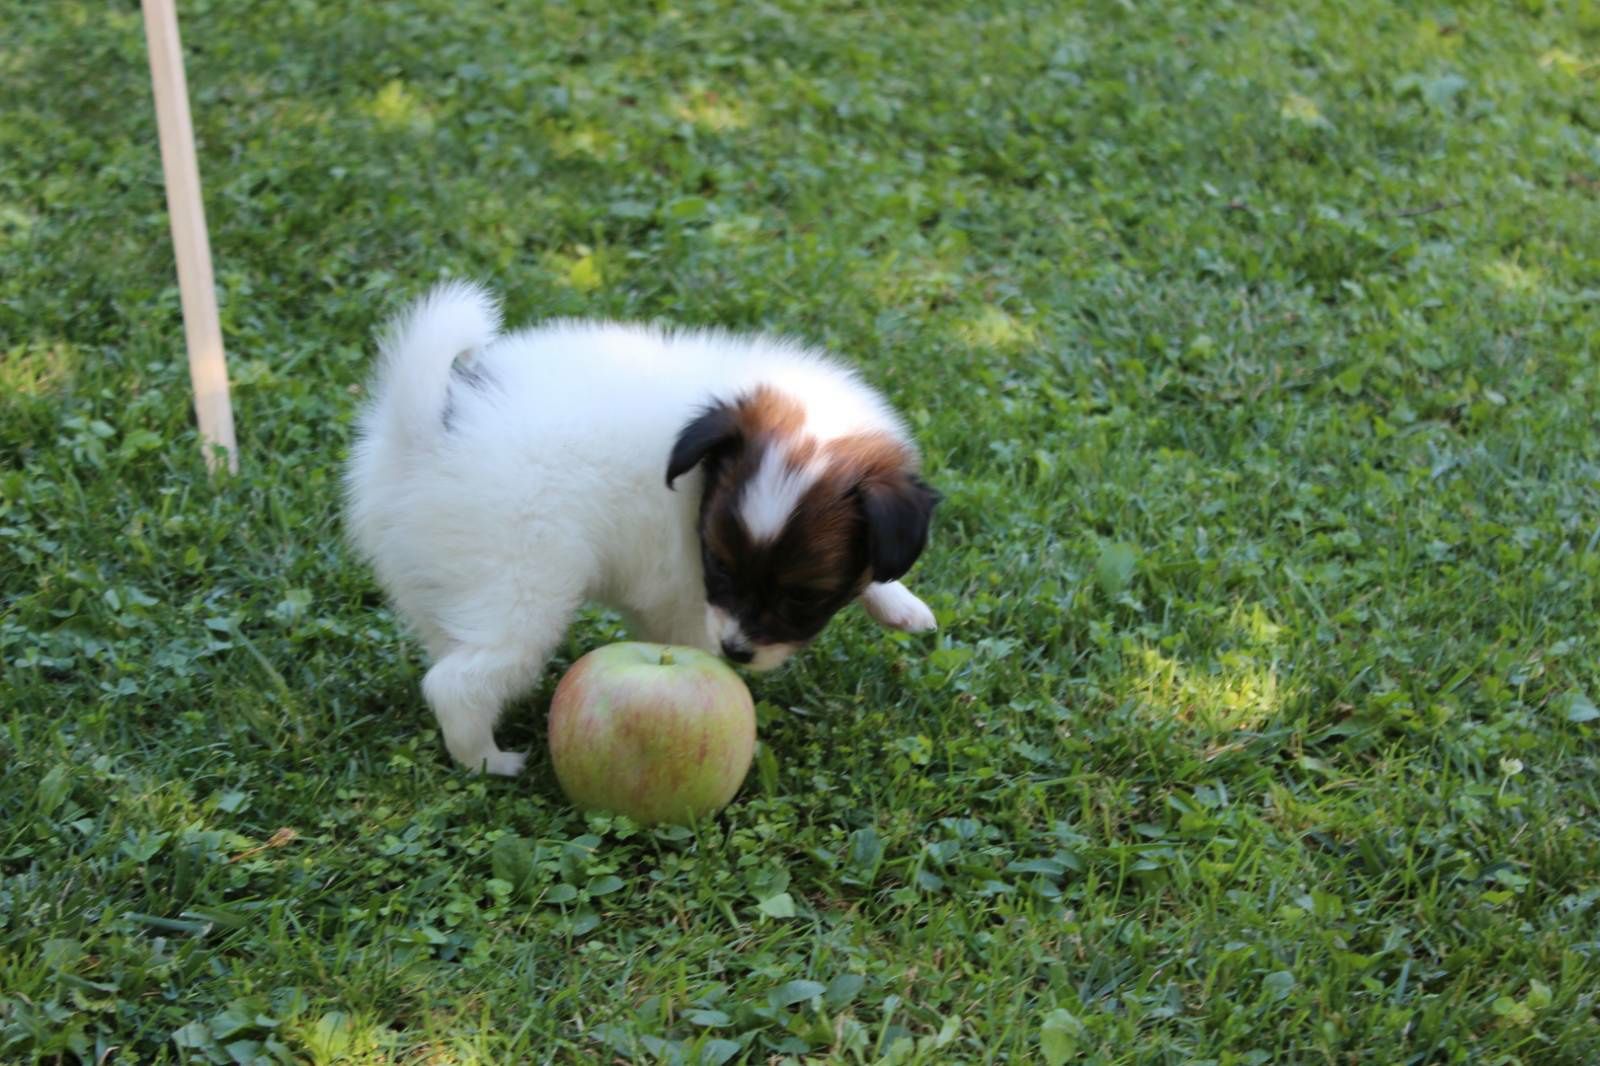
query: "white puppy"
722, 492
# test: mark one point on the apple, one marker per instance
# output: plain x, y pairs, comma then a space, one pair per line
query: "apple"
656, 732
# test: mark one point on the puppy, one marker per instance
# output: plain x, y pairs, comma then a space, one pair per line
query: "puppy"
727, 493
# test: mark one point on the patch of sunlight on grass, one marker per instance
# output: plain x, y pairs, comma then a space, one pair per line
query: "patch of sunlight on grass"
1240, 691
1514, 277
15, 224
711, 111
1297, 108
1438, 38
994, 329
1566, 62
79, 16
437, 1054
581, 268
591, 141
737, 228
270, 106
1254, 626
396, 106
38, 369
897, 278
340, 1037
306, 114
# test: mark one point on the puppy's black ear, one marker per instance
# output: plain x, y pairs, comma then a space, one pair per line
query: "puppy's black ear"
898, 512
714, 430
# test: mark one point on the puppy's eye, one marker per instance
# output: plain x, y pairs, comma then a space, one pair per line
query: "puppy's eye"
805, 599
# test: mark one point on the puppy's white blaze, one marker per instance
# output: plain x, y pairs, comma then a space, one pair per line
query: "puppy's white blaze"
773, 494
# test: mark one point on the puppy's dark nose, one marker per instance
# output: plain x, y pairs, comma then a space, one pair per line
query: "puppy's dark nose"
737, 653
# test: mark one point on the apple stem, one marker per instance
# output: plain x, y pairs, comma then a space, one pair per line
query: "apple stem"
666, 656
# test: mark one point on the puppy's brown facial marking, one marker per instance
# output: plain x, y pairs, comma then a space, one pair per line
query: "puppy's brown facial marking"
792, 529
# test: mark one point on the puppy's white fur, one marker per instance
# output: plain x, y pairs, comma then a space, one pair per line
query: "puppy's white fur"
774, 493
894, 605
496, 498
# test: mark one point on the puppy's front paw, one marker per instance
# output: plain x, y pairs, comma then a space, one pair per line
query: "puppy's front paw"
505, 763
893, 605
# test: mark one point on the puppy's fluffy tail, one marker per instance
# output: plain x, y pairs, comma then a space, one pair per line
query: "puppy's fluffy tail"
418, 349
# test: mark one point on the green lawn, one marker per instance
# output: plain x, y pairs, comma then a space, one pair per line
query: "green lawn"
1255, 354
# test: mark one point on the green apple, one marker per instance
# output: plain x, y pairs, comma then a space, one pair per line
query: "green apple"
656, 732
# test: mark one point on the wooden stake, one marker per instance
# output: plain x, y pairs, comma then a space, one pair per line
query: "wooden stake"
208, 365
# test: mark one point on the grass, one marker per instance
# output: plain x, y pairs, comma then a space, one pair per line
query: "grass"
1254, 351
